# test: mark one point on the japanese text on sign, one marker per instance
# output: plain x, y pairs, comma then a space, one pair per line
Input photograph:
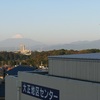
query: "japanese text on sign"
40, 91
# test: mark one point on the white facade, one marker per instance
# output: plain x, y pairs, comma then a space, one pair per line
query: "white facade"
11, 88
24, 51
68, 79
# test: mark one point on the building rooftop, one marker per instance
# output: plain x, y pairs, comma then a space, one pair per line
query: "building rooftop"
15, 70
95, 56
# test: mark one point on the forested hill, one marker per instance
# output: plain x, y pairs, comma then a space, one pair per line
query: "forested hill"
35, 59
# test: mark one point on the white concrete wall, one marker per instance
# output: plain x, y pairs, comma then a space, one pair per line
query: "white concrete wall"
69, 89
11, 88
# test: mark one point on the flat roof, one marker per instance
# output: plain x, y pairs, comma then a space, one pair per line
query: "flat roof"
78, 56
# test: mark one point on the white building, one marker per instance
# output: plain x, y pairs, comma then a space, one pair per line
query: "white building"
70, 77
24, 51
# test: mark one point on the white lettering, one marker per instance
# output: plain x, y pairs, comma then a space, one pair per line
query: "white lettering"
24, 88
32, 90
41, 93
37, 91
28, 89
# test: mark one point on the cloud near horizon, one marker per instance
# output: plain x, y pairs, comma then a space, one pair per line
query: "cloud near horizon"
17, 36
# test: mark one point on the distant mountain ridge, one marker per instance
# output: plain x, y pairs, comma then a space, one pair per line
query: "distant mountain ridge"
78, 45
17, 41
13, 44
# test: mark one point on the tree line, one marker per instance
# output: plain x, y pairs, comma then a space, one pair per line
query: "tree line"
35, 59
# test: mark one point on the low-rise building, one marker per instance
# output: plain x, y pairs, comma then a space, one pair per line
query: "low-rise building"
14, 71
23, 50
69, 77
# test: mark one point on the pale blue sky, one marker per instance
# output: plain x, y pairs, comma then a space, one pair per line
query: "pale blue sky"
50, 21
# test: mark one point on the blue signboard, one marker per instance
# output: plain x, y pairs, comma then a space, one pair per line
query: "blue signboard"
40, 92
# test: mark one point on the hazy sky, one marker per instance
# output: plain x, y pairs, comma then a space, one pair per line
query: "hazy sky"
50, 21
